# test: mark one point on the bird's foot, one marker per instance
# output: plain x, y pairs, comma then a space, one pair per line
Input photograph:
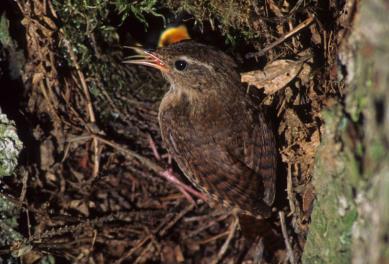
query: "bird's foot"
184, 189
169, 175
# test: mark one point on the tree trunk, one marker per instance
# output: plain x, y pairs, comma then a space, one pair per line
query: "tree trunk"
350, 222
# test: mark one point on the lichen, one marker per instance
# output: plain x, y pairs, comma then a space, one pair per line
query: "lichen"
10, 146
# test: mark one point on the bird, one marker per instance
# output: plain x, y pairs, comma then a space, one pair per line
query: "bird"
217, 135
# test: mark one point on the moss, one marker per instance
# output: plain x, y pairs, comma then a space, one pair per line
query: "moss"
237, 19
138, 9
5, 38
335, 212
14, 55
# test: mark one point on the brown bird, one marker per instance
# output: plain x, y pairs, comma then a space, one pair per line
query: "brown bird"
216, 134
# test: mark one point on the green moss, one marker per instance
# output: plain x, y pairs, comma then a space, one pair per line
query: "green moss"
377, 150
138, 9
5, 38
14, 56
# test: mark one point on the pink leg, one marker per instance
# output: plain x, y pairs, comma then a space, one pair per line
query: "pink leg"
169, 175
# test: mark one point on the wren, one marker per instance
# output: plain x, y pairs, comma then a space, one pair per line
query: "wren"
217, 135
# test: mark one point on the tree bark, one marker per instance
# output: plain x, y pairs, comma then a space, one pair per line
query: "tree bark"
350, 221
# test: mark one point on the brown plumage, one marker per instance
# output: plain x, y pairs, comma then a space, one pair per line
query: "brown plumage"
216, 134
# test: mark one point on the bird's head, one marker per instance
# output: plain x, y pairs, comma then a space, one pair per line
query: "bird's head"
190, 66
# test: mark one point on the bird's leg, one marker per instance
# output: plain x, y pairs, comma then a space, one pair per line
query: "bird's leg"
185, 189
169, 175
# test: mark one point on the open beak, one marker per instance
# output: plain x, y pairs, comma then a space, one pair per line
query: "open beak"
146, 58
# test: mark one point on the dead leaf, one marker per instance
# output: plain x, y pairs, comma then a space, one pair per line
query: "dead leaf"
50, 23
80, 206
308, 199
179, 255
38, 76
274, 76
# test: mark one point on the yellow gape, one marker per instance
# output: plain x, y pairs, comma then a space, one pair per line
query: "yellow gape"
173, 35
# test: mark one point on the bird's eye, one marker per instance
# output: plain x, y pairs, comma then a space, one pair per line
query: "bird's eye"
180, 65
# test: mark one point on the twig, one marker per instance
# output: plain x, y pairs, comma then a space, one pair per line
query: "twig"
206, 226
91, 247
304, 24
213, 238
231, 233
162, 229
289, 190
51, 109
259, 247
135, 248
286, 238
176, 219
81, 76
131, 154
24, 186
153, 242
153, 147
28, 223
89, 105
141, 257
203, 218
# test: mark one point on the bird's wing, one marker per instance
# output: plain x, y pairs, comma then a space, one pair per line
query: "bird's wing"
259, 150
216, 171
